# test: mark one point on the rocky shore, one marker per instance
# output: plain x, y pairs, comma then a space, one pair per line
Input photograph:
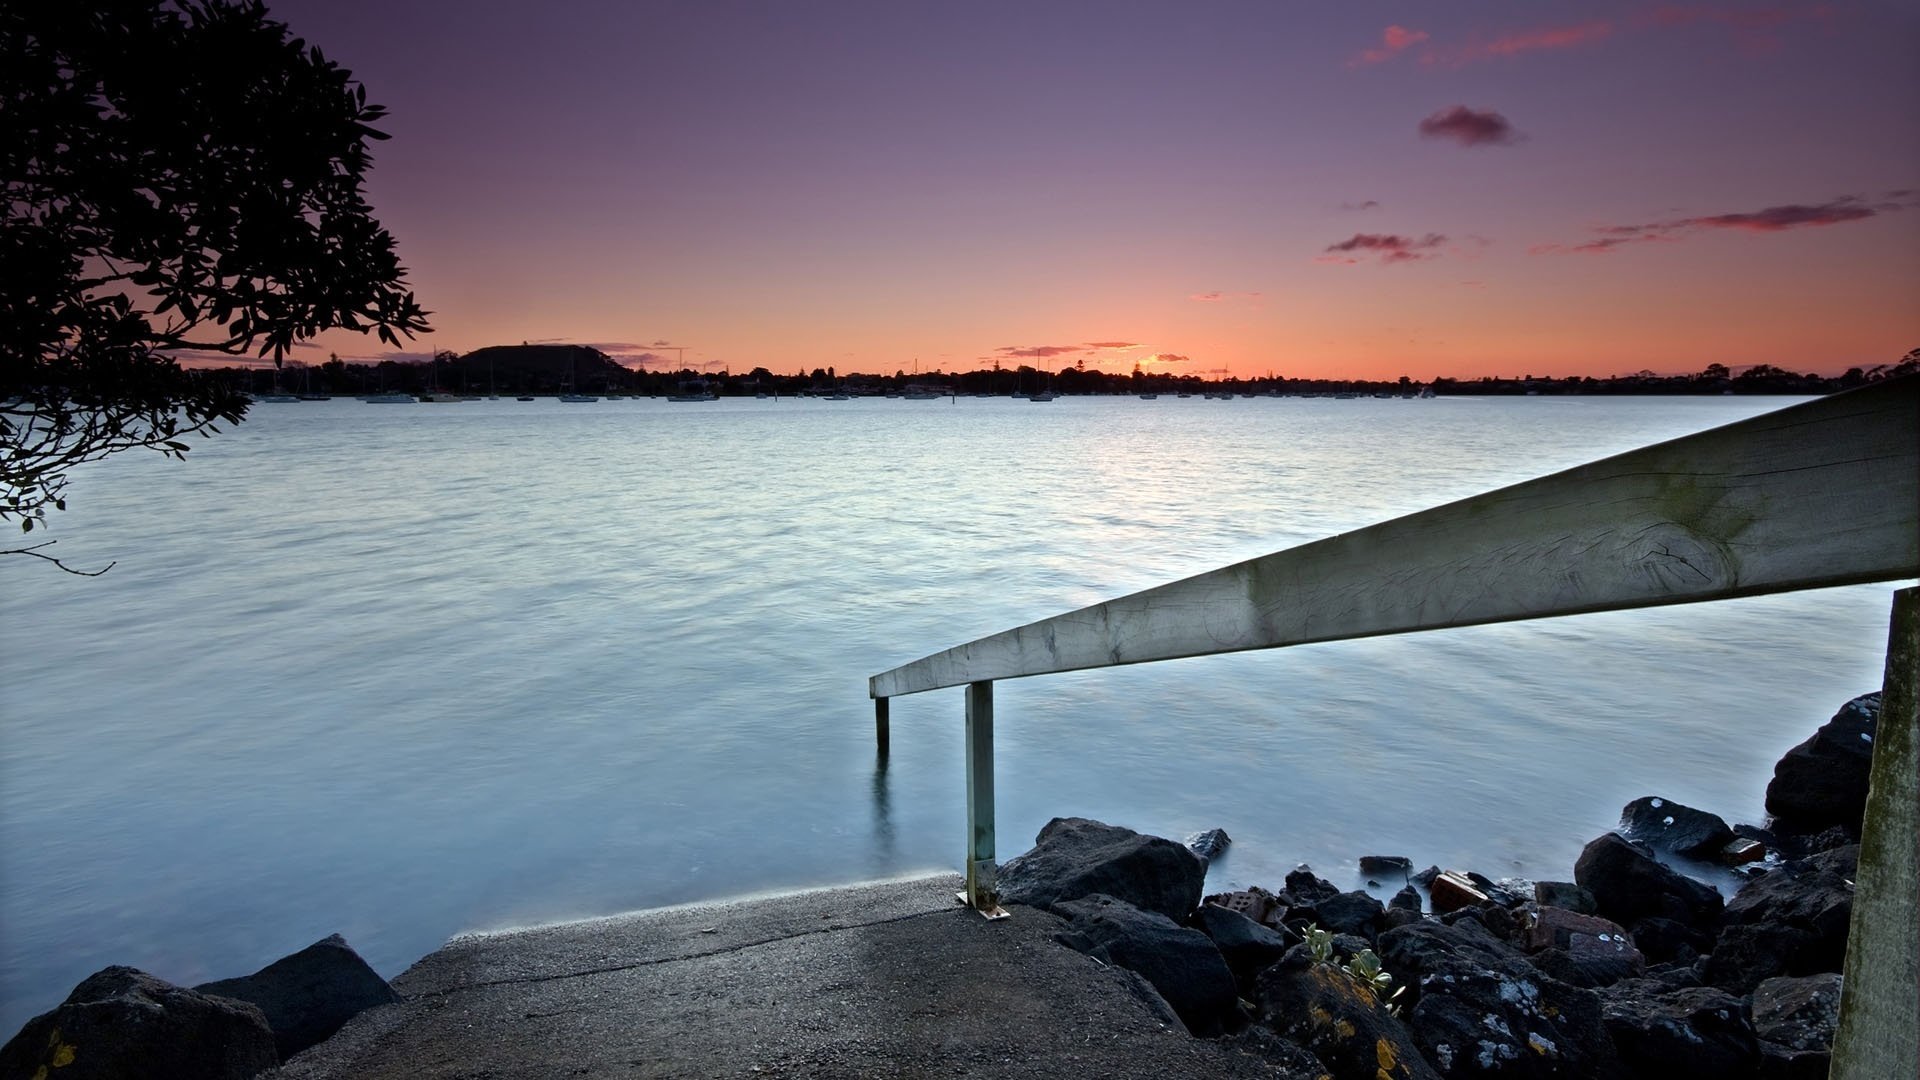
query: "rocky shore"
1633, 968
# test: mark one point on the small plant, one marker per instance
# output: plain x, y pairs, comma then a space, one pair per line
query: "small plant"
1364, 968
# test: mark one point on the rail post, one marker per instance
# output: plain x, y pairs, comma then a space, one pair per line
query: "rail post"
1880, 995
882, 724
982, 895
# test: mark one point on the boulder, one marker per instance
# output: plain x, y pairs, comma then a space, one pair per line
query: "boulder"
1565, 895
1823, 781
307, 996
1209, 845
1407, 899
121, 1022
1452, 890
1255, 903
1666, 825
1793, 921
1478, 1009
1387, 867
1248, 947
1306, 887
1076, 857
1338, 1020
1182, 964
1700, 1032
1345, 913
1584, 950
1628, 884
1665, 941
1795, 1020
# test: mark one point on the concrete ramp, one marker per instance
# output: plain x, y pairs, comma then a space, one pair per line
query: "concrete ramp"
889, 979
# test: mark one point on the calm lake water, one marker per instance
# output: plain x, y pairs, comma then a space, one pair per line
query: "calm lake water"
400, 671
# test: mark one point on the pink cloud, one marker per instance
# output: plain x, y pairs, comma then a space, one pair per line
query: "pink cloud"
1470, 127
1769, 219
1390, 247
1394, 40
1515, 42
1217, 297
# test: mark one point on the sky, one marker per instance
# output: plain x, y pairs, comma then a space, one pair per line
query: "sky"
1305, 189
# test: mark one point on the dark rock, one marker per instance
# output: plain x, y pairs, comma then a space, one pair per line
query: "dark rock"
1387, 867
1793, 921
1478, 1008
1698, 1032
1247, 946
1823, 781
1564, 895
1209, 845
1628, 884
1307, 888
1424, 878
1399, 916
309, 995
1182, 964
120, 1022
1287, 1057
1348, 913
1746, 955
1666, 825
1798, 1014
1829, 838
1507, 892
1076, 857
1584, 950
1339, 1021
1740, 851
1407, 899
1669, 940
1499, 921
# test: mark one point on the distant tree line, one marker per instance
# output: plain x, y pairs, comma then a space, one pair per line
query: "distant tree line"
551, 369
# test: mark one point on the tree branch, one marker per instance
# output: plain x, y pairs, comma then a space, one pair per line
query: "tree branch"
38, 554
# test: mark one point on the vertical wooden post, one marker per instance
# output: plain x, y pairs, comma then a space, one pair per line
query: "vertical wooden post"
1880, 996
981, 894
882, 733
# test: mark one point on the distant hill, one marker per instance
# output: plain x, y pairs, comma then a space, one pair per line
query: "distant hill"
544, 366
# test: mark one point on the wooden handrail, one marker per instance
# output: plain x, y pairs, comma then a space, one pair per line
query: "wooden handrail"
1818, 494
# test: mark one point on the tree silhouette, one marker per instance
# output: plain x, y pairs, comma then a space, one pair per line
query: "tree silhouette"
180, 175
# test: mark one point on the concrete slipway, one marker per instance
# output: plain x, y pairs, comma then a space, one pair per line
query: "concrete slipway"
886, 979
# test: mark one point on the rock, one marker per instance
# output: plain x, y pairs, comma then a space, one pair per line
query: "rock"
1583, 950
1209, 845
1793, 921
1628, 884
307, 996
1507, 892
1669, 940
1346, 913
1666, 825
1565, 895
1823, 781
1387, 867
121, 1022
1182, 964
1287, 1057
1451, 890
1248, 947
1399, 916
1499, 921
1339, 1021
1700, 1032
1407, 899
1076, 857
1478, 1009
1307, 888
1795, 1020
1740, 851
1424, 878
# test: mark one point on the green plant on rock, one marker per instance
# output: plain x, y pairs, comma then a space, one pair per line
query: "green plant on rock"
1363, 969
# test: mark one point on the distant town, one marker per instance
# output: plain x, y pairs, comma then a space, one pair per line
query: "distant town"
579, 370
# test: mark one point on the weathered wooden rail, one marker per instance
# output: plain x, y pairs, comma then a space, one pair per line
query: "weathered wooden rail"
1818, 494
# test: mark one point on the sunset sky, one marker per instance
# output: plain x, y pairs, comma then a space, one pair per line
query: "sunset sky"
1360, 190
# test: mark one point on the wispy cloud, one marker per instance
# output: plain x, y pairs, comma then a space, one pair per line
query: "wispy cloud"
1389, 247
1113, 346
1040, 351
1394, 40
1470, 127
1771, 219
1167, 358
1220, 297
1369, 204
1515, 42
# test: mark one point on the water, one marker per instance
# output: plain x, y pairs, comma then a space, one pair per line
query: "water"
403, 671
